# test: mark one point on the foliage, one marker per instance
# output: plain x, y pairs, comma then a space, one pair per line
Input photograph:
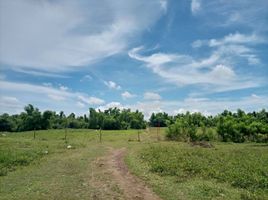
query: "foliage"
239, 127
33, 119
235, 127
160, 120
115, 119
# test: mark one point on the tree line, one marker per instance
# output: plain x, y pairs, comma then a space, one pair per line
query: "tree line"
227, 126
237, 127
33, 119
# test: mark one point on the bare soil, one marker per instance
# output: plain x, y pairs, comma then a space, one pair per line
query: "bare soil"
130, 186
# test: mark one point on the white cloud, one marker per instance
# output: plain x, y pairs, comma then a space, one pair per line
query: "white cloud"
47, 84
56, 97
198, 43
215, 106
147, 108
217, 72
253, 59
54, 36
195, 6
113, 104
10, 104
237, 44
151, 96
222, 73
256, 96
232, 38
237, 38
112, 85
37, 72
86, 78
246, 13
45, 97
212, 73
204, 105
36, 89
163, 4
63, 88
127, 95
91, 100
201, 104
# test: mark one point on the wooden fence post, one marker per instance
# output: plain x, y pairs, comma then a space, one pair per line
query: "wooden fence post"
100, 136
139, 139
158, 129
65, 136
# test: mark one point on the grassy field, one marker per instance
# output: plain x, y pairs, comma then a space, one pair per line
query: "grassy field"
46, 168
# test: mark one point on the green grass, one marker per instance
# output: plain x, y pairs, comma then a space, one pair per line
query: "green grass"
43, 168
229, 171
28, 172
20, 149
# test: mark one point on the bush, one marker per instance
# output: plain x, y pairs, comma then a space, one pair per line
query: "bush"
177, 131
208, 135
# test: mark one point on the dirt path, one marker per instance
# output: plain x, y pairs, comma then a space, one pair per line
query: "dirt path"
132, 187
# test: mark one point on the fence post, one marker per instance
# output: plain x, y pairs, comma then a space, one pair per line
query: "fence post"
139, 139
65, 136
158, 129
100, 136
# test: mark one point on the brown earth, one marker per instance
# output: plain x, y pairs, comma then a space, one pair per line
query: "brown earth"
129, 186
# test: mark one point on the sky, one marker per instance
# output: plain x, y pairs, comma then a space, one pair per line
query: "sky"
155, 56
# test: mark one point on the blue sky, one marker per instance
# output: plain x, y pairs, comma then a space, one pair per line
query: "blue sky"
155, 55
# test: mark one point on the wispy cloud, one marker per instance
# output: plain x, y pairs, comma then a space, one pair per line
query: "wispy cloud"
91, 100
247, 13
214, 73
113, 104
37, 72
58, 98
234, 46
54, 36
86, 78
232, 38
10, 104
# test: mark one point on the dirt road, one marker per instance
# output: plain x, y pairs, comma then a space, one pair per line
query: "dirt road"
130, 186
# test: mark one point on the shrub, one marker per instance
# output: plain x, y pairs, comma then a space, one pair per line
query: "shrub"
177, 131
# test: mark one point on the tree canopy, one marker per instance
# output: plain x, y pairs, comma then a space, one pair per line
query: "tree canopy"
33, 119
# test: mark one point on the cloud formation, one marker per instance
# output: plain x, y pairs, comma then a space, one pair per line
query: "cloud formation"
217, 72
19, 94
245, 13
112, 85
56, 36
195, 6
151, 96
127, 95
